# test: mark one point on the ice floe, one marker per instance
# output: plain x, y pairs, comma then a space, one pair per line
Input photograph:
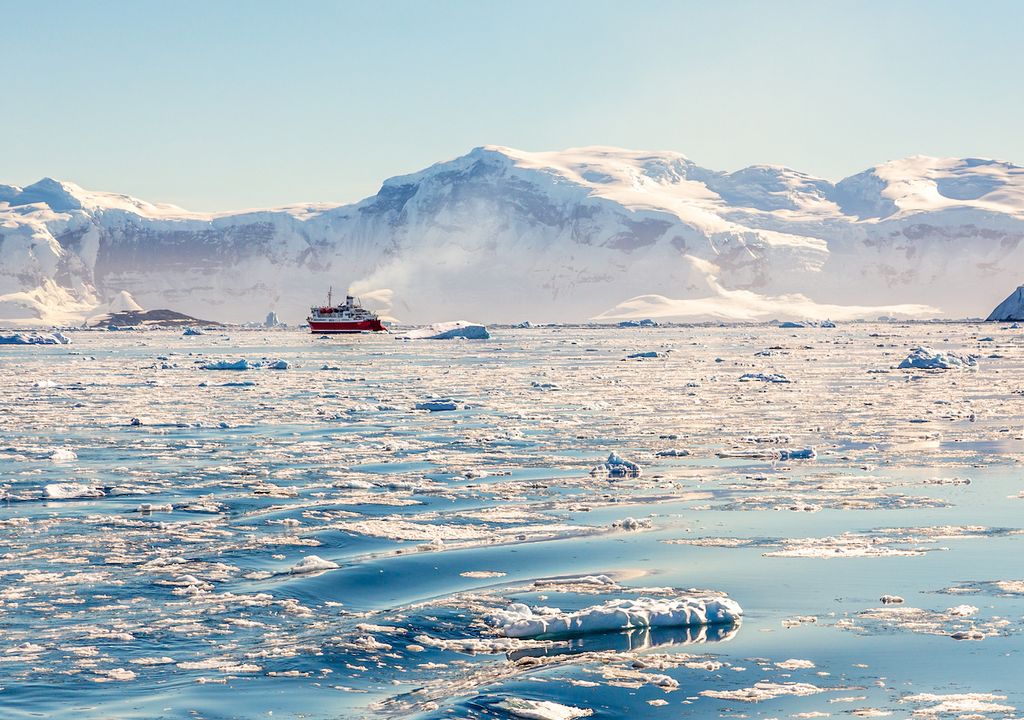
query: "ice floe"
521, 621
541, 709
312, 564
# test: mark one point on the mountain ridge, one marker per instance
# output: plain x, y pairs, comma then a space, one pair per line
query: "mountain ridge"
560, 235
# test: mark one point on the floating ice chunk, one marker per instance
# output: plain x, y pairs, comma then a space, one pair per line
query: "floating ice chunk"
923, 358
646, 354
66, 491
963, 611
520, 621
541, 709
437, 405
616, 466
596, 580
672, 453
890, 600
646, 322
632, 524
241, 364
193, 331
794, 664
312, 564
797, 454
959, 704
116, 674
770, 454
481, 574
448, 331
764, 690
278, 365
762, 377
791, 324
63, 455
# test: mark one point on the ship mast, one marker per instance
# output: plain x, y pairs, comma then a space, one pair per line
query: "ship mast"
329, 291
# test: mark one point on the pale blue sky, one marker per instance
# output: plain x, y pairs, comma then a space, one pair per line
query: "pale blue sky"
224, 105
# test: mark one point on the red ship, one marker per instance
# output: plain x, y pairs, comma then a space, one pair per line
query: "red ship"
349, 317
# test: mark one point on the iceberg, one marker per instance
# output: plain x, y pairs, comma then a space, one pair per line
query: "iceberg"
34, 339
520, 621
923, 358
448, 331
1010, 309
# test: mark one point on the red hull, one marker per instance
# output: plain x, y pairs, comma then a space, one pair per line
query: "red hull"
342, 326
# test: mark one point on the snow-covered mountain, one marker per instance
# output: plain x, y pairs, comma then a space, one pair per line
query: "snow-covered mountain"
505, 235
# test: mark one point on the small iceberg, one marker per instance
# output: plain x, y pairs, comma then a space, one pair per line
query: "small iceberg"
646, 322
616, 466
762, 377
193, 331
448, 331
441, 405
808, 453
241, 364
521, 621
646, 354
923, 358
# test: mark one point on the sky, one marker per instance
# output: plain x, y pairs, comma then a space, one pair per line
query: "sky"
217, 105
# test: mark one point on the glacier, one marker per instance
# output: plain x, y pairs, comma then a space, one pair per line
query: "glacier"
594, 233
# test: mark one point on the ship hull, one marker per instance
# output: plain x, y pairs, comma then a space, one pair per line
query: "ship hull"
338, 327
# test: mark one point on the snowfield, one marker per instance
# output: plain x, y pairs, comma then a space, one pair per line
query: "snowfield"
593, 232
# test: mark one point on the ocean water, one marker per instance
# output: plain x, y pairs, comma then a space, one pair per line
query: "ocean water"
158, 519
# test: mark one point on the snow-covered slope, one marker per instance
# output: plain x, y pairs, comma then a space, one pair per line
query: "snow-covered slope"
502, 235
